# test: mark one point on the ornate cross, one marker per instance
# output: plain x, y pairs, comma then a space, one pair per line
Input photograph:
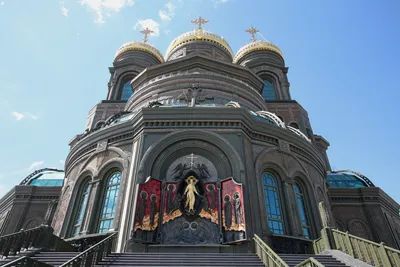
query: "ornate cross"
192, 157
252, 31
146, 32
200, 21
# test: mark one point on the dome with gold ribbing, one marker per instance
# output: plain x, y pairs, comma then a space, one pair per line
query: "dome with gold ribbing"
256, 46
199, 41
139, 46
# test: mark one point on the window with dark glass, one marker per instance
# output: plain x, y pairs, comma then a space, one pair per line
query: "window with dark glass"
110, 202
126, 91
272, 204
268, 91
81, 208
294, 125
303, 215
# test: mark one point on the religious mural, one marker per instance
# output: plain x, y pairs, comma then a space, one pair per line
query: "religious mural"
234, 226
147, 211
191, 201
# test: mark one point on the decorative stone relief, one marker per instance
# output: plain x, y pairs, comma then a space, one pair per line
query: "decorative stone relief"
102, 145
284, 146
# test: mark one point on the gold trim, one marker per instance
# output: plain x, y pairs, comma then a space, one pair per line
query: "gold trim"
256, 46
198, 35
140, 46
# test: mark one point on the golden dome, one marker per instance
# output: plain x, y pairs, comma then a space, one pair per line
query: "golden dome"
256, 46
199, 35
140, 46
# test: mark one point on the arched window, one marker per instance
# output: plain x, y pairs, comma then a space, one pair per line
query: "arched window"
81, 207
268, 91
110, 202
126, 91
272, 204
302, 210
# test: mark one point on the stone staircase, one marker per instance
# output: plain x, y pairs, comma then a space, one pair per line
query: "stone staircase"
54, 258
326, 260
181, 259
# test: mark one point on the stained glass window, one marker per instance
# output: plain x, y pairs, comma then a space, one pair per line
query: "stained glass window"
268, 91
272, 204
303, 215
126, 91
110, 202
83, 198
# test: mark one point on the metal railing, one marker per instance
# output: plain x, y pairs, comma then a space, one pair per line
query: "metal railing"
39, 237
94, 254
266, 254
26, 261
376, 254
310, 262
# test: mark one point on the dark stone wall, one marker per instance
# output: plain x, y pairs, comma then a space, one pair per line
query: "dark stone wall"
368, 213
27, 206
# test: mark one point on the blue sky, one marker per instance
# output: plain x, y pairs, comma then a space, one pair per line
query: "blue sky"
343, 59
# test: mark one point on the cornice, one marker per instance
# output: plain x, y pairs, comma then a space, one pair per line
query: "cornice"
213, 119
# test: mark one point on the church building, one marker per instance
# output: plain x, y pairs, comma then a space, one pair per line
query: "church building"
205, 148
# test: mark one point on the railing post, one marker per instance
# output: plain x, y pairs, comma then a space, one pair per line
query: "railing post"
349, 245
383, 254
327, 237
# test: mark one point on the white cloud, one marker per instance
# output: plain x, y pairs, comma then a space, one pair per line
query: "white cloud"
35, 165
216, 3
2, 3
148, 23
102, 7
168, 13
33, 117
18, 116
64, 11
62, 162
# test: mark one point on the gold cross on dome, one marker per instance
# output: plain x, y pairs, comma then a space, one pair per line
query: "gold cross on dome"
200, 21
252, 31
146, 32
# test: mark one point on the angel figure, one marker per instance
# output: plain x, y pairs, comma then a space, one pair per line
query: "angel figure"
190, 192
178, 171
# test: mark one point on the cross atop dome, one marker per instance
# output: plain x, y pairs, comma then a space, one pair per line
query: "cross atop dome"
146, 32
200, 21
252, 31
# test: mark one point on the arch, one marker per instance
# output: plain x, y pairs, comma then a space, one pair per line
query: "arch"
123, 79
32, 223
111, 189
304, 215
359, 228
99, 124
273, 202
270, 90
80, 205
208, 140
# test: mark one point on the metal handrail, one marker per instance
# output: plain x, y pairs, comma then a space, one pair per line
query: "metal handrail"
310, 262
92, 255
26, 261
266, 254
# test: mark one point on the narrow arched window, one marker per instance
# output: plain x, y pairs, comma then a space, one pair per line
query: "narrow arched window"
268, 91
126, 91
110, 202
302, 210
83, 197
272, 204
